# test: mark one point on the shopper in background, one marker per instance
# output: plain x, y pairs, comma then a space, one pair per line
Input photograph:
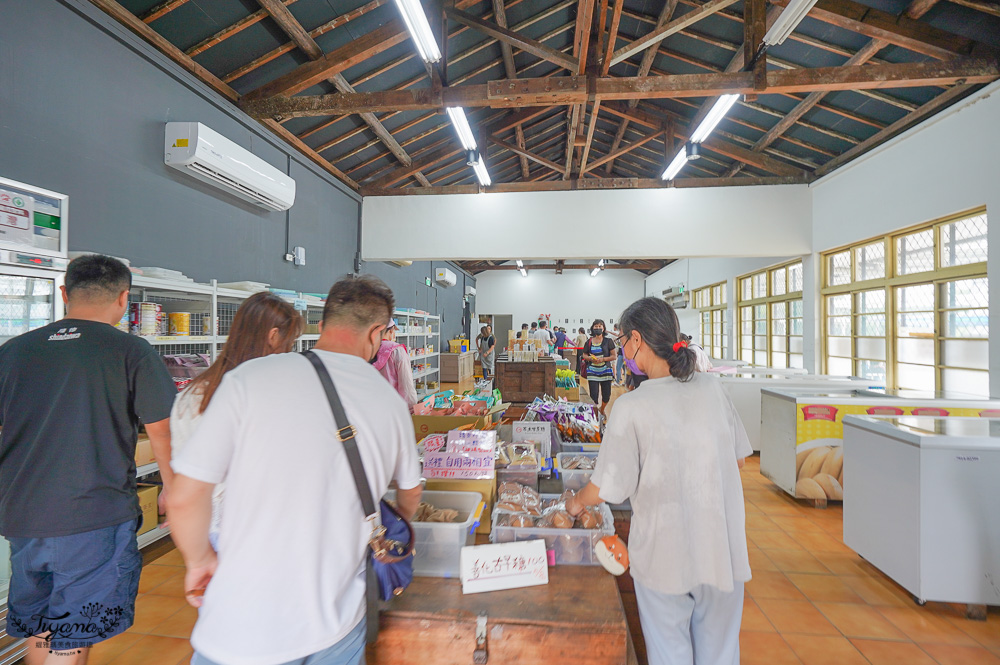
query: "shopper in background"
579, 342
264, 324
393, 362
599, 352
674, 449
561, 341
620, 362
72, 396
292, 507
534, 330
544, 336
523, 334
487, 352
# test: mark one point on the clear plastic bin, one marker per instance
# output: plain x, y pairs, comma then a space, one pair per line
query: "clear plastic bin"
439, 544
574, 479
525, 475
570, 447
572, 547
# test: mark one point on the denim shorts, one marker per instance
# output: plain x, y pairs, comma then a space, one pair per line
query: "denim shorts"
79, 588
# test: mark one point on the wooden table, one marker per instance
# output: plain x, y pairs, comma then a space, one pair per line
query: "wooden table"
521, 382
576, 618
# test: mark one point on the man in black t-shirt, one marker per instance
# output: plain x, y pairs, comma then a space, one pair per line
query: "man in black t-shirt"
72, 395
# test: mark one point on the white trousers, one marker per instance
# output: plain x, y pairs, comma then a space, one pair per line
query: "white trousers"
697, 628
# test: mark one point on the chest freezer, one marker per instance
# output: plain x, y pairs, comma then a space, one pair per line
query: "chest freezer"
802, 431
920, 503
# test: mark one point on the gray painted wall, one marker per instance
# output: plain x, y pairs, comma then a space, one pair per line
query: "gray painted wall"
84, 116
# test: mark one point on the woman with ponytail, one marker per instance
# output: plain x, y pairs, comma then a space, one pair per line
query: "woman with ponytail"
264, 324
674, 447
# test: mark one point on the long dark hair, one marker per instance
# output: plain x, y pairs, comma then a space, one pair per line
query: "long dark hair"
248, 339
656, 322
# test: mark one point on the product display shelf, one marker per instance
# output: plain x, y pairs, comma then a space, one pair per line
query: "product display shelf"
424, 355
426, 372
420, 339
147, 469
150, 537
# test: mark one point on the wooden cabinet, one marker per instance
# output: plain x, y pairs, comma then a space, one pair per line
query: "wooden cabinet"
523, 382
576, 618
457, 367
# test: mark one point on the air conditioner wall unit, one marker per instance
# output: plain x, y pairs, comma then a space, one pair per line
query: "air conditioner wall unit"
202, 153
445, 277
677, 297
470, 290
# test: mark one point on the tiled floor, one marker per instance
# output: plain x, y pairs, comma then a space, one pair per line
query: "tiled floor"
812, 601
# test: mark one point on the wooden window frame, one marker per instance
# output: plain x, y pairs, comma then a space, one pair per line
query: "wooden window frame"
767, 300
710, 299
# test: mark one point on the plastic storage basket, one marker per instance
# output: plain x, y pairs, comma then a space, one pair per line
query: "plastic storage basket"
574, 479
439, 545
571, 547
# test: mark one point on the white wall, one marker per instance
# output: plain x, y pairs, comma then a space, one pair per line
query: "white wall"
614, 224
573, 295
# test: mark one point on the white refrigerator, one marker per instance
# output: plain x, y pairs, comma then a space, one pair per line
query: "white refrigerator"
33, 259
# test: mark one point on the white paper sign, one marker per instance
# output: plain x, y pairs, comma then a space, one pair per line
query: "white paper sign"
504, 566
17, 217
527, 431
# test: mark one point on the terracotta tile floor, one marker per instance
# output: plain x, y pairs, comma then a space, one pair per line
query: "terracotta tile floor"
811, 602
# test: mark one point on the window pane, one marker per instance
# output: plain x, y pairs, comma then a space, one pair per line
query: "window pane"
871, 347
795, 344
838, 305
919, 324
915, 377
760, 285
918, 298
839, 366
795, 360
964, 242
966, 382
870, 369
839, 346
722, 289
871, 302
869, 262
779, 360
779, 343
746, 287
915, 351
972, 354
717, 295
779, 326
839, 326
760, 342
840, 269
760, 358
796, 326
778, 282
706, 318
967, 323
746, 320
795, 278
966, 293
915, 253
796, 306
871, 325
778, 310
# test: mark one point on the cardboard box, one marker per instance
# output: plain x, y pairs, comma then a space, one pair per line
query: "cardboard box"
572, 394
487, 488
143, 451
148, 494
424, 425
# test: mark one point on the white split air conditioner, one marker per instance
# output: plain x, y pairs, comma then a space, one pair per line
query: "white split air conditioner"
470, 290
445, 277
195, 149
677, 297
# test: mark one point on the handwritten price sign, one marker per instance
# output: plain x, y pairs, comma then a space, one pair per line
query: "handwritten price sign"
469, 441
504, 566
464, 466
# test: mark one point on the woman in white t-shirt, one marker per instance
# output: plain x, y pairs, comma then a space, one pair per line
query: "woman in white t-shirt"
674, 447
264, 324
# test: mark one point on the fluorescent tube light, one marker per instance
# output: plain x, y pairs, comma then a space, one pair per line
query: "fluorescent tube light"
519, 264
593, 273
714, 117
524, 273
676, 165
462, 127
788, 20
481, 173
600, 264
420, 29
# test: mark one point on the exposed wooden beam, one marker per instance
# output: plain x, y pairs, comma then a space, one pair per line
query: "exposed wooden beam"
659, 34
559, 185
619, 152
616, 17
515, 39
754, 27
130, 21
895, 128
507, 53
526, 154
911, 34
578, 90
229, 31
594, 111
161, 10
310, 153
918, 8
984, 6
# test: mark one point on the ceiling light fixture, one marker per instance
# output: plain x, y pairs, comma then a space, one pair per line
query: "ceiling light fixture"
593, 273
462, 127
678, 162
788, 20
519, 264
420, 29
714, 117
524, 273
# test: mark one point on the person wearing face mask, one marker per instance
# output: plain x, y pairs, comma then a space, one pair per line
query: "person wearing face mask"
599, 353
292, 506
393, 362
674, 448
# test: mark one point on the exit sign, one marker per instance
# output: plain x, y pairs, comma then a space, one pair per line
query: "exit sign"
427, 281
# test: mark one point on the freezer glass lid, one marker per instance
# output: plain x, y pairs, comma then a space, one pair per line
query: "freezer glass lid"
944, 426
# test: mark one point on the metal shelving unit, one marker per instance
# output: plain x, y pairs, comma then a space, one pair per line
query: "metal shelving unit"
422, 339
